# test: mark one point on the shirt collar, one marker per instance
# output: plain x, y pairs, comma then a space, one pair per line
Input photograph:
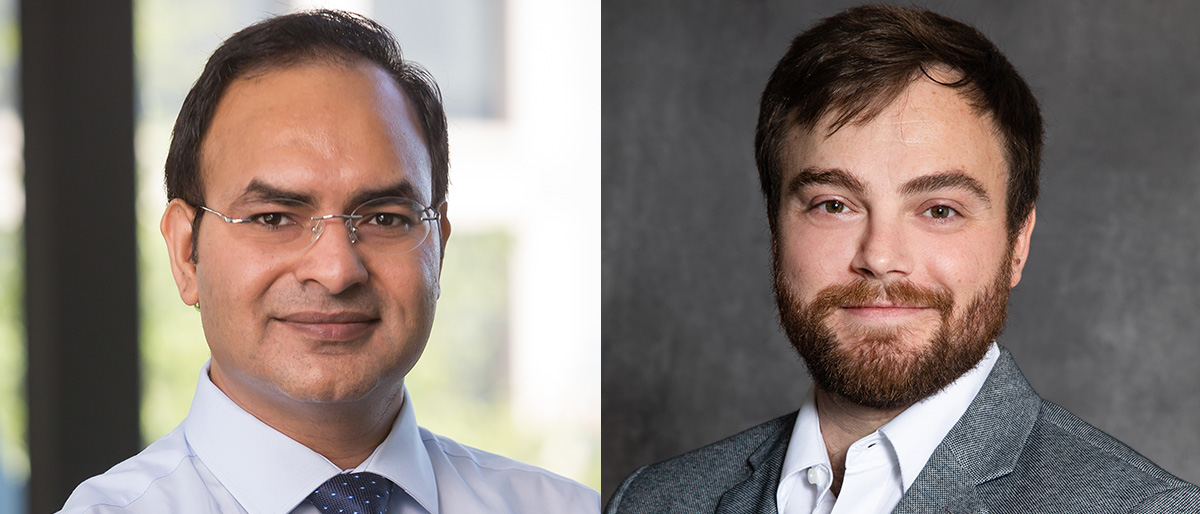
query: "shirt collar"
806, 448
281, 472
403, 459
913, 434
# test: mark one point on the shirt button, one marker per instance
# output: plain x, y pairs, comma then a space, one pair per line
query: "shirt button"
816, 476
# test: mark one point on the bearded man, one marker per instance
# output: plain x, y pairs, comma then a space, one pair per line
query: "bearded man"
899, 153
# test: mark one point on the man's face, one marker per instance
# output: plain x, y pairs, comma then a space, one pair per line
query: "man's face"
334, 322
892, 260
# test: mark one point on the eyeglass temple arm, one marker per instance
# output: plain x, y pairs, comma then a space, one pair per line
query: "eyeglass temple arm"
225, 218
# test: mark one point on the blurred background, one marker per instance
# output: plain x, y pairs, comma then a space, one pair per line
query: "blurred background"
512, 366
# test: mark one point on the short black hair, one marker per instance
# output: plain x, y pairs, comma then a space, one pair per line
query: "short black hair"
291, 40
853, 65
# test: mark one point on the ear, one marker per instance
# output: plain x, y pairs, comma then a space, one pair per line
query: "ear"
1021, 247
443, 231
176, 227
443, 236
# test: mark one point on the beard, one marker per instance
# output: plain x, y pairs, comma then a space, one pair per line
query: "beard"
879, 367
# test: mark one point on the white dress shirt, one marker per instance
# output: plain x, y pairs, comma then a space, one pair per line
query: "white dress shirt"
881, 466
223, 459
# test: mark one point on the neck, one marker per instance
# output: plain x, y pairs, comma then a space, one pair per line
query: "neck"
842, 423
346, 433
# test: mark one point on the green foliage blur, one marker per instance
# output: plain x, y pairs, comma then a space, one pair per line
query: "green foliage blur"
13, 449
14, 458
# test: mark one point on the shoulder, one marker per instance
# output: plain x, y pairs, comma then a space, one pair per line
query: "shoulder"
121, 488
695, 481
1073, 463
499, 480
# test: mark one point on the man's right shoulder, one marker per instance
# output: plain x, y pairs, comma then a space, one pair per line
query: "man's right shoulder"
138, 484
696, 480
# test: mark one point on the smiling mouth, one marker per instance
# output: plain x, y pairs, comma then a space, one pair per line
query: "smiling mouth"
884, 310
330, 327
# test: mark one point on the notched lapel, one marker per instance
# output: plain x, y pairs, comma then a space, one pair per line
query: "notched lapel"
942, 487
984, 445
756, 494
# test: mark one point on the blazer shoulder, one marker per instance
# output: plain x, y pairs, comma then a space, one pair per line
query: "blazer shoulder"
695, 481
1092, 471
1080, 443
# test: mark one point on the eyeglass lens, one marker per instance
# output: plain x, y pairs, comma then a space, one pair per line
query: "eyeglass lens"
388, 225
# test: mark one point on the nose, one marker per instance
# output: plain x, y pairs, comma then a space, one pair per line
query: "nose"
883, 251
332, 260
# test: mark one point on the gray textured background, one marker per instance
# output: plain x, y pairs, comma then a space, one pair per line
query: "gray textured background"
1105, 321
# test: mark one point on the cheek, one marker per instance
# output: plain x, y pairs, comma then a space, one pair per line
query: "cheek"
234, 278
232, 287
430, 265
812, 258
965, 264
411, 281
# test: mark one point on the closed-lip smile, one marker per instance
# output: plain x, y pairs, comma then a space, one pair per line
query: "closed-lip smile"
330, 326
883, 310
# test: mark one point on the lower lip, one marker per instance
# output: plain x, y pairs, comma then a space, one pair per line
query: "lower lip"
884, 313
331, 331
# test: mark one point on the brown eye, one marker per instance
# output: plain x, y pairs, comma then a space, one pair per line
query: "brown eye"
940, 212
387, 219
834, 206
270, 219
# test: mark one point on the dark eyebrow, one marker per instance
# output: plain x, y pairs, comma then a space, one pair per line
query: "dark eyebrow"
257, 191
824, 176
402, 189
954, 179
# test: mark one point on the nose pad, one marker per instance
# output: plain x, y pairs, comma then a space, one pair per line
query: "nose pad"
314, 234
334, 265
318, 228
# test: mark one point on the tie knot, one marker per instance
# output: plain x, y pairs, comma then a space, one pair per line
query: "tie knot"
353, 493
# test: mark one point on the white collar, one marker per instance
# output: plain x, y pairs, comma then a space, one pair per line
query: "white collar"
270, 473
917, 432
913, 434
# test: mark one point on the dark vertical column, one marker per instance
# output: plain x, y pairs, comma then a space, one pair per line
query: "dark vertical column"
77, 98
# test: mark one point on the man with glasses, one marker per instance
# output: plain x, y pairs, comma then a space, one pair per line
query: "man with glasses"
898, 153
307, 222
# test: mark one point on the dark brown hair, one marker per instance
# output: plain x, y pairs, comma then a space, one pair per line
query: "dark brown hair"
853, 65
289, 40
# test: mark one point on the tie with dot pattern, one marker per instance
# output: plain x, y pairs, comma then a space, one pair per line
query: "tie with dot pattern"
353, 493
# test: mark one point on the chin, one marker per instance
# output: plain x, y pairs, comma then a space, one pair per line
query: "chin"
329, 393
316, 385
888, 343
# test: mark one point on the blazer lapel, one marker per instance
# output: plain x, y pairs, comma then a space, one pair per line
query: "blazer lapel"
982, 446
941, 487
756, 495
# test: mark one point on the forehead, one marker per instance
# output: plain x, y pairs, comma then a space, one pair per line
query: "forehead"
928, 129
323, 128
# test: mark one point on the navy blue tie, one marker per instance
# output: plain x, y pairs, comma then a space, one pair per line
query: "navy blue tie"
353, 493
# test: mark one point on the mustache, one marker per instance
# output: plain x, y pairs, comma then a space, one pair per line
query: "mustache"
867, 292
360, 301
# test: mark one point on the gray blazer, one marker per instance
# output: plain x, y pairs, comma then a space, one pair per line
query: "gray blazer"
1012, 452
